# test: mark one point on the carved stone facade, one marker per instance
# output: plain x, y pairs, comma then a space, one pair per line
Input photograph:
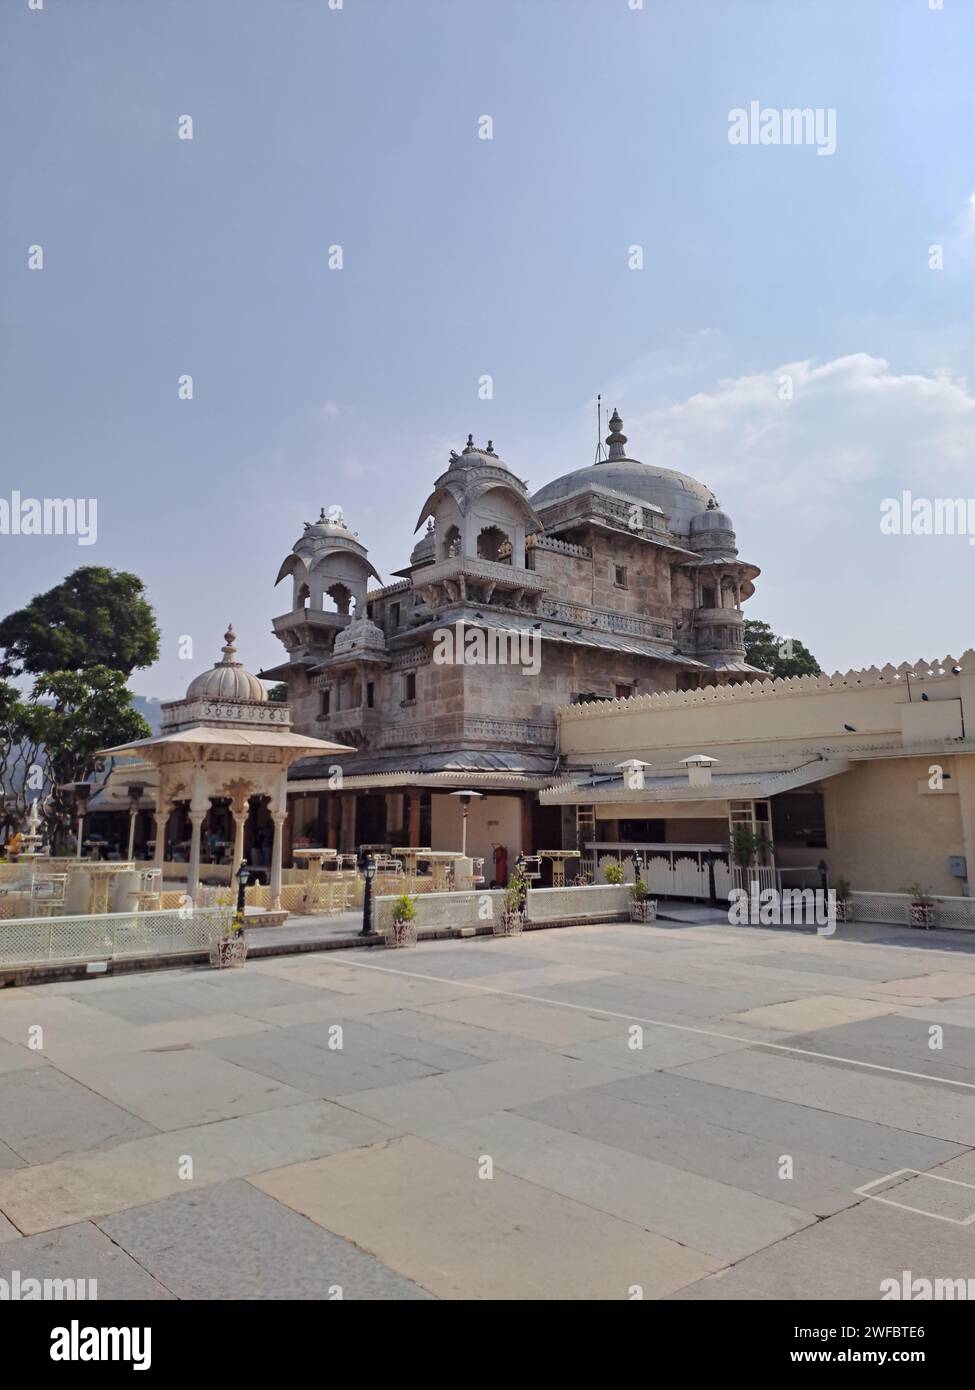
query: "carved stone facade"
616, 579
619, 596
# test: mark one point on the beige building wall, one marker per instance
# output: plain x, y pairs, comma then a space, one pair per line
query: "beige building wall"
496, 820
885, 829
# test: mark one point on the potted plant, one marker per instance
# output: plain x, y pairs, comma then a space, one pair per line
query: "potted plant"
844, 899
921, 910
230, 947
512, 916
613, 873
403, 922
643, 908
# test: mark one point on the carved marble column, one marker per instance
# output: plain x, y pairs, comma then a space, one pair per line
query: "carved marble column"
193, 877
279, 818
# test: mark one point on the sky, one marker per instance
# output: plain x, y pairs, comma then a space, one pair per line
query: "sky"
792, 339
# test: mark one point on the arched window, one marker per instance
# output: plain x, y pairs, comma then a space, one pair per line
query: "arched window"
451, 543
341, 598
302, 597
493, 544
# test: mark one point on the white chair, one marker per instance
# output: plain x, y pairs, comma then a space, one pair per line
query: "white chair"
149, 889
47, 892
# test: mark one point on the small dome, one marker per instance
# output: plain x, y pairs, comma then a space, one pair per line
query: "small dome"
228, 680
714, 519
471, 456
426, 547
362, 635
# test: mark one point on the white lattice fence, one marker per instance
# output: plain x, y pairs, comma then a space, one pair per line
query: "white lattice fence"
447, 909
596, 900
110, 935
895, 908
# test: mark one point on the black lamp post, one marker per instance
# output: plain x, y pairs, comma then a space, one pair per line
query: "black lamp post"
370, 873
242, 876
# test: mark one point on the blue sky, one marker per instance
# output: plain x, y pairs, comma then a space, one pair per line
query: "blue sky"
463, 257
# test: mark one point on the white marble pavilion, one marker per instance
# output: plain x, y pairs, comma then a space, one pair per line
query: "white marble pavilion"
226, 740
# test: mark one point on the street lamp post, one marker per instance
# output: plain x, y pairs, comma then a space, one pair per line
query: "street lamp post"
370, 873
242, 876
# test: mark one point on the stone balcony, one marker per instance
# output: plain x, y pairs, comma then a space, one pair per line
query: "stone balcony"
469, 577
350, 725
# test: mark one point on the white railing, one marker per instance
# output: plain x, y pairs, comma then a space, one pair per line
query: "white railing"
434, 910
597, 900
110, 935
895, 908
758, 878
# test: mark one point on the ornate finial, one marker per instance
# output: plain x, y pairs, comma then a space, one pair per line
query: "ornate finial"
429, 525
322, 518
469, 449
490, 447
712, 504
229, 651
616, 439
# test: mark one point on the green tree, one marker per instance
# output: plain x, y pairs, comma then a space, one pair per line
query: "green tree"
95, 617
278, 693
779, 656
51, 740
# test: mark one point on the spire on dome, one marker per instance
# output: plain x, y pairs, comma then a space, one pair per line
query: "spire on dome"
616, 439
229, 651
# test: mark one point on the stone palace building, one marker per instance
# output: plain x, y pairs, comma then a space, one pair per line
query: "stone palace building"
617, 579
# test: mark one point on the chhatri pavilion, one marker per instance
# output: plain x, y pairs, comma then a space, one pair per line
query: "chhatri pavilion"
222, 753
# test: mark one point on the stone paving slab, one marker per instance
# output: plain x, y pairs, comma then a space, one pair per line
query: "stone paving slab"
477, 1091
232, 1241
485, 1043
847, 1257
44, 1114
80, 1252
672, 1000
833, 958
723, 1221
807, 1015
19, 1057
93, 1185
174, 1089
940, 984
7, 1230
898, 1040
537, 1022
917, 1107
285, 1056
675, 1100
460, 1236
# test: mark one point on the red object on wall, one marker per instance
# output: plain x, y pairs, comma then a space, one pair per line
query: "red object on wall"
501, 865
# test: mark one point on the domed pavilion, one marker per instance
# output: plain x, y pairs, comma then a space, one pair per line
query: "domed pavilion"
225, 743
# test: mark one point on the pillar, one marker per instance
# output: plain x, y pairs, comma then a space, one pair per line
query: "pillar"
348, 821
239, 822
415, 820
133, 812
279, 818
160, 817
193, 877
332, 821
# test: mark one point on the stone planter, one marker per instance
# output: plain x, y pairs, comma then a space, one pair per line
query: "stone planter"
923, 915
643, 911
401, 934
228, 951
509, 923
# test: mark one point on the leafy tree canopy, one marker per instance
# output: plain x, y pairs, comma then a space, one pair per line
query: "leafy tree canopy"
278, 693
780, 656
95, 617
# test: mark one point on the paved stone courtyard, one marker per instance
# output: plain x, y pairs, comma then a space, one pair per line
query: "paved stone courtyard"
487, 1128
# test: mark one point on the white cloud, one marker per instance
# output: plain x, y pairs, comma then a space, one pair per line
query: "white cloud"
852, 425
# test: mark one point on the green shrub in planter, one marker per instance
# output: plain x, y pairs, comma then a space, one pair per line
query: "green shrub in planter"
403, 914
613, 873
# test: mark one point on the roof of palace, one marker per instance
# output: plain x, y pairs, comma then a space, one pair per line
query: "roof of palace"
681, 497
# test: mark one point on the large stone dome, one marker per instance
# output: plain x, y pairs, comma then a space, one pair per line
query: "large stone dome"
227, 680
682, 498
